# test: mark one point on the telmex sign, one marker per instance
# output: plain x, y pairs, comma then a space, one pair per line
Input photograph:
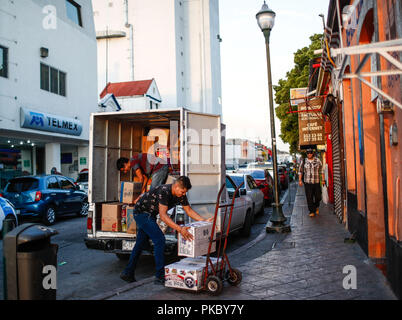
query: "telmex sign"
47, 122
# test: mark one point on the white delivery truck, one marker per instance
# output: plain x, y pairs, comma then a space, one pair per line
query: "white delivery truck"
196, 145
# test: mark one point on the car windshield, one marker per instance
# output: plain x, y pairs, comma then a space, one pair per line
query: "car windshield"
83, 177
238, 180
22, 184
258, 174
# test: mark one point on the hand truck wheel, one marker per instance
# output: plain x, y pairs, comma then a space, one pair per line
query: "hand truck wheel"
214, 285
235, 278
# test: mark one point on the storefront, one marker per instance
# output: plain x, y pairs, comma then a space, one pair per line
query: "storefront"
31, 151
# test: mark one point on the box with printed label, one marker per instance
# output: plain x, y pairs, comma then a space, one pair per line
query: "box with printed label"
187, 273
201, 231
130, 191
111, 216
131, 224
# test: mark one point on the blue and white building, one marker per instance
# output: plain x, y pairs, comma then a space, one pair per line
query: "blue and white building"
48, 86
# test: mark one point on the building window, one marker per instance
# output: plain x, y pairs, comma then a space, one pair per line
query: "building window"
156, 106
54, 83
74, 12
44, 77
150, 105
52, 80
3, 62
62, 83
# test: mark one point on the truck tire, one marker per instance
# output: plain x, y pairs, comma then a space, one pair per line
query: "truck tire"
246, 230
123, 256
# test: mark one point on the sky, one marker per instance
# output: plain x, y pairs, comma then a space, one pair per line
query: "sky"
245, 104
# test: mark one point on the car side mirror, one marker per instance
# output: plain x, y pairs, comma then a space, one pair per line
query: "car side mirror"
77, 187
243, 192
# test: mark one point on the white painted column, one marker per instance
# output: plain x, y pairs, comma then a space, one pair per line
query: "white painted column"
34, 160
52, 157
26, 161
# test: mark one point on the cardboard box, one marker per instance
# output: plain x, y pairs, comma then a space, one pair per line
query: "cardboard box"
187, 273
201, 231
111, 216
131, 225
171, 179
130, 191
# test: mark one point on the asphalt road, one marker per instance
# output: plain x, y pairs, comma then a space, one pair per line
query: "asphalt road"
83, 273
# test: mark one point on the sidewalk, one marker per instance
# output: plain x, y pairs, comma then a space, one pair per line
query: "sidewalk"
304, 264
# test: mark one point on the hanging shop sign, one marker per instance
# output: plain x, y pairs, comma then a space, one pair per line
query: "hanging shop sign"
297, 95
48, 122
311, 123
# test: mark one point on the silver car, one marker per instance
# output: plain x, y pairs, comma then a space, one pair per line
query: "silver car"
253, 191
82, 181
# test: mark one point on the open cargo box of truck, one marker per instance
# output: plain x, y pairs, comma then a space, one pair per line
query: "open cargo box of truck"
196, 146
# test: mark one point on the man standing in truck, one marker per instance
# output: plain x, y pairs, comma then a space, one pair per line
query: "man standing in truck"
158, 201
146, 166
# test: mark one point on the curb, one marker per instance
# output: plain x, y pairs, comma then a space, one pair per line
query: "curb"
125, 288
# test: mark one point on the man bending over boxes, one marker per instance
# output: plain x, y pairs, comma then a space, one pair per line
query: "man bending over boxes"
146, 166
158, 201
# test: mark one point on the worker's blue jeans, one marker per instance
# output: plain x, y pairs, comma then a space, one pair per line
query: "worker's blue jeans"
147, 228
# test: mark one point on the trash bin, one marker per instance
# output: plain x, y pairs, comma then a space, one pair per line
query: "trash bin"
31, 263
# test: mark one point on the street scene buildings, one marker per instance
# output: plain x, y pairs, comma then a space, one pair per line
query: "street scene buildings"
106, 104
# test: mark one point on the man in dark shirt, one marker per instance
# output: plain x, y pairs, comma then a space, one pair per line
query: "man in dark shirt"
145, 166
158, 201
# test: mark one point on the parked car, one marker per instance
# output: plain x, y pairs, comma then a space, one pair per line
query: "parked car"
259, 165
45, 197
283, 176
7, 211
263, 178
242, 218
253, 191
82, 180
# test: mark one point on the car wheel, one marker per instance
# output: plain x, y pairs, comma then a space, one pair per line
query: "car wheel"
49, 217
11, 223
84, 209
246, 230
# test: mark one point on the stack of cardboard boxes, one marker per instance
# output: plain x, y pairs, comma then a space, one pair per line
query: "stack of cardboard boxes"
187, 273
118, 216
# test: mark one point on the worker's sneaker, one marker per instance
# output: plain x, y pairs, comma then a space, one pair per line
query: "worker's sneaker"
127, 277
160, 281
312, 214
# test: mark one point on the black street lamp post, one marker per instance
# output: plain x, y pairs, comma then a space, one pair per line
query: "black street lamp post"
277, 222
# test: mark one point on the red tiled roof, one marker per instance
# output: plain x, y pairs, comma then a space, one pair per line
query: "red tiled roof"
127, 89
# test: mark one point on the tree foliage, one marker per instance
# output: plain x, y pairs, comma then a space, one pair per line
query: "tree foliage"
298, 77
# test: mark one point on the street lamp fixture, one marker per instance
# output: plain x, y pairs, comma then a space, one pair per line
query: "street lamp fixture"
277, 222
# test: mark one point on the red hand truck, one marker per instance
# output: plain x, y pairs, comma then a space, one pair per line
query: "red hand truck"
214, 276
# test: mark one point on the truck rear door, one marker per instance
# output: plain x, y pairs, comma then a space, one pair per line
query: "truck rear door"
202, 154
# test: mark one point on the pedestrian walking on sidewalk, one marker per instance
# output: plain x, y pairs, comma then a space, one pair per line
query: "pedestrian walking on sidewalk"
309, 174
158, 201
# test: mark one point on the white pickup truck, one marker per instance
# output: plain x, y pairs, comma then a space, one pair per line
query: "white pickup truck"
196, 145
